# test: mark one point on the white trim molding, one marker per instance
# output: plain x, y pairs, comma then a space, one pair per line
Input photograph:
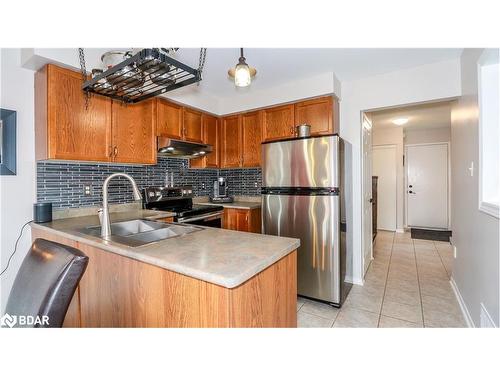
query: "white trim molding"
461, 302
487, 204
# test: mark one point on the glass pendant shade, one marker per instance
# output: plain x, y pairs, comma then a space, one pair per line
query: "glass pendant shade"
242, 76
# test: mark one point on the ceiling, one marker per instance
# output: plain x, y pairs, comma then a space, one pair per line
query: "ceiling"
422, 116
277, 66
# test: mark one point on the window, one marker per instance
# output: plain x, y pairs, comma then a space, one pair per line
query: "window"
489, 134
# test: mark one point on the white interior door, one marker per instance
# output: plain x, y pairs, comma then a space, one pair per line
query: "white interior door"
385, 167
427, 186
367, 193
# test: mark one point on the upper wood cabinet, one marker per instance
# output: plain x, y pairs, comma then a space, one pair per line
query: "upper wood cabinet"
251, 138
170, 120
316, 112
278, 122
210, 127
64, 128
231, 142
192, 126
211, 137
134, 132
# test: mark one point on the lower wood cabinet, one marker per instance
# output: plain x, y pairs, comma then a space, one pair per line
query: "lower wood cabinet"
245, 220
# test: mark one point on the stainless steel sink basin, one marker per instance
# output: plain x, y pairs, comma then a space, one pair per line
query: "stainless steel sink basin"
141, 232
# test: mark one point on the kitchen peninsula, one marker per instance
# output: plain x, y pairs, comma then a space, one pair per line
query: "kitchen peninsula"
208, 278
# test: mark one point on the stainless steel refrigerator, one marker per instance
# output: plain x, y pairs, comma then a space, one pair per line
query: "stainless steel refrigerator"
304, 196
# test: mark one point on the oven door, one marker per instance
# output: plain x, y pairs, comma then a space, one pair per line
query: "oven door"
213, 219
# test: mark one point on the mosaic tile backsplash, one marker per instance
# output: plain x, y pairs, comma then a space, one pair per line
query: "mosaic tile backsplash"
63, 183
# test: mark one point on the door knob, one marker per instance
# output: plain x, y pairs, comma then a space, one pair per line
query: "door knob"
411, 192
410, 186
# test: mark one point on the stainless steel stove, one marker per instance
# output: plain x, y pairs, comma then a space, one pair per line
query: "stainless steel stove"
180, 201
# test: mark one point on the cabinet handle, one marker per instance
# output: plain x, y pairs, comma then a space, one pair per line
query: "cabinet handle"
115, 151
111, 151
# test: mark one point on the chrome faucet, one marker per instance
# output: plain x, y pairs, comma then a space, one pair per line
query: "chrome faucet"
104, 211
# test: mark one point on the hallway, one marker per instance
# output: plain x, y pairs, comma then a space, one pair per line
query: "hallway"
407, 285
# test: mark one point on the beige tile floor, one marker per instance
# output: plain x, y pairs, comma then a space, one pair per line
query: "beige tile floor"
406, 285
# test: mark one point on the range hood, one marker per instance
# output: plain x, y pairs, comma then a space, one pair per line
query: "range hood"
182, 149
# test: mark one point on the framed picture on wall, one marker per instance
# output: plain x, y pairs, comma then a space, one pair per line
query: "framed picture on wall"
7, 142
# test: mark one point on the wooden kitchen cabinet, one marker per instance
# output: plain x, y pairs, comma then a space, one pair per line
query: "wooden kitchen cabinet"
231, 142
316, 112
64, 129
134, 132
278, 122
170, 119
241, 137
251, 138
192, 126
242, 219
210, 127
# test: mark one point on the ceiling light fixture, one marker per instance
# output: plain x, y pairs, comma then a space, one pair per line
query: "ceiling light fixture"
400, 121
242, 73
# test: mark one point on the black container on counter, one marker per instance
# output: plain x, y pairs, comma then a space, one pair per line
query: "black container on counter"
42, 212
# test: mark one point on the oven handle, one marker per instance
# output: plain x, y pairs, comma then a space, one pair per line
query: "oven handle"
205, 218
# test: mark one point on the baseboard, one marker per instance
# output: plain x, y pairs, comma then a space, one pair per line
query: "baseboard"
400, 230
461, 302
356, 280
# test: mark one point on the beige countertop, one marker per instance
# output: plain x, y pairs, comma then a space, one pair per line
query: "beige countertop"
223, 257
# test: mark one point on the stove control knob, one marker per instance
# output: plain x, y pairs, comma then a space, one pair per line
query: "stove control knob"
158, 193
151, 194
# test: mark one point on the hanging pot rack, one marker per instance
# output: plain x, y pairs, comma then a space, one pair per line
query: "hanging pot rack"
146, 74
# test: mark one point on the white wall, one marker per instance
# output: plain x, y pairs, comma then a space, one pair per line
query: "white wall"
394, 136
249, 98
17, 193
413, 136
421, 84
475, 233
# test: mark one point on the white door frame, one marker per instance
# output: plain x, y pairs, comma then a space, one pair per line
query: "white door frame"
449, 178
391, 146
364, 119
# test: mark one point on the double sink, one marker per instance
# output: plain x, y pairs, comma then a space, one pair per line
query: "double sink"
141, 232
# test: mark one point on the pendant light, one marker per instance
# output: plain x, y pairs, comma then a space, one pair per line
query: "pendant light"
242, 73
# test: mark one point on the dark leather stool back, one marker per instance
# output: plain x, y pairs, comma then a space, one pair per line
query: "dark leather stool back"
46, 282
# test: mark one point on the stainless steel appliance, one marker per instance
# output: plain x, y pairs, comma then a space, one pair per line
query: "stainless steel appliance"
221, 191
180, 201
182, 149
303, 197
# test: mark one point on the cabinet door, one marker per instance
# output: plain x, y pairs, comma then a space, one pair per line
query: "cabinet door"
210, 129
251, 138
236, 219
230, 142
211, 137
169, 119
316, 112
192, 126
73, 132
134, 132
278, 122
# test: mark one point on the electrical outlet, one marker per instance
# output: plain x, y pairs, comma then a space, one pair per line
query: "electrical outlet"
454, 252
87, 190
